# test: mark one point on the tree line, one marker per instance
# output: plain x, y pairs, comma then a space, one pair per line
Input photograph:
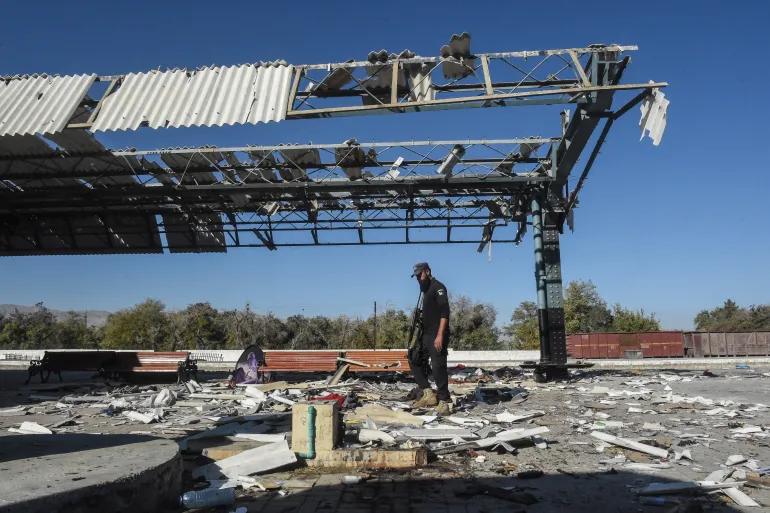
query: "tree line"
150, 326
585, 311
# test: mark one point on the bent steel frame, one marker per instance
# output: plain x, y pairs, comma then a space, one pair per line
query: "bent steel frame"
76, 197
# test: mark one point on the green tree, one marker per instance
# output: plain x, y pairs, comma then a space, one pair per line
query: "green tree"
74, 333
626, 320
31, 330
731, 317
144, 326
199, 326
472, 325
585, 310
524, 329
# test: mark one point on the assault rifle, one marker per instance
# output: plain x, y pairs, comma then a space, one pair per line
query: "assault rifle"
413, 349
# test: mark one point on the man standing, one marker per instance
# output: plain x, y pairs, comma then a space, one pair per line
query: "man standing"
434, 343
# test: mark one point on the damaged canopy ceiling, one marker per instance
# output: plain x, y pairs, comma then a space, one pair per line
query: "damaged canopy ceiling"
63, 192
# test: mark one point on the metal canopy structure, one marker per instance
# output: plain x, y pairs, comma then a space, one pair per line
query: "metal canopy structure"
63, 193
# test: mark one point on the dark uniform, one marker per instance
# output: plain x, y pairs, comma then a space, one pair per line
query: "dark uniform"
435, 306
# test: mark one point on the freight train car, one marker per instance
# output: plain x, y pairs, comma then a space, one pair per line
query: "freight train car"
644, 344
668, 344
700, 344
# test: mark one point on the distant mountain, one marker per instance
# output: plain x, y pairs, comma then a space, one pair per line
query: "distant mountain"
94, 317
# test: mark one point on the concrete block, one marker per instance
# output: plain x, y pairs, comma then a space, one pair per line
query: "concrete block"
327, 426
368, 458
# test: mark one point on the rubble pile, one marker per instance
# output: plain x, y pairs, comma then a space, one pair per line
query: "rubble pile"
503, 424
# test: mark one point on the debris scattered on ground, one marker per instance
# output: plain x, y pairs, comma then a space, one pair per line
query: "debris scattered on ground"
644, 424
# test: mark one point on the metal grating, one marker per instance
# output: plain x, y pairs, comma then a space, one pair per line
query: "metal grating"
206, 97
40, 103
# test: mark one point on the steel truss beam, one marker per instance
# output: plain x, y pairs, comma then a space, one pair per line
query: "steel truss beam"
569, 76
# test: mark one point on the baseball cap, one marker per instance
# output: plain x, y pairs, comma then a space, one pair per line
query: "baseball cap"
418, 268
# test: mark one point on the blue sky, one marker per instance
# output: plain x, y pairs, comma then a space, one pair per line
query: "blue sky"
673, 229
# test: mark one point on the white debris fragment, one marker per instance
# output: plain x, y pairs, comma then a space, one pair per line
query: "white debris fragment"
252, 461
746, 430
511, 436
607, 424
630, 444
684, 454
652, 467
649, 426
372, 435
350, 480
140, 417
540, 443
31, 428
256, 393
740, 498
510, 417
13, 411
165, 397
735, 459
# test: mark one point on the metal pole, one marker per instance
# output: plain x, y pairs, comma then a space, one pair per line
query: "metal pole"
375, 324
542, 311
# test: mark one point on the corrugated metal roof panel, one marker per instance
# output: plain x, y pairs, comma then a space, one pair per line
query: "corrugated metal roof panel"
201, 233
40, 104
23, 146
80, 234
210, 96
77, 141
654, 112
459, 60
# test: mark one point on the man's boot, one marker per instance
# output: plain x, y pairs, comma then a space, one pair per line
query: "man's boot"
428, 399
444, 408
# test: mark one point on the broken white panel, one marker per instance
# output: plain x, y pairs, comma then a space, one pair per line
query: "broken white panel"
276, 396
735, 459
140, 417
253, 461
630, 444
510, 417
31, 428
40, 104
13, 411
654, 111
374, 435
511, 436
420, 82
233, 428
457, 60
652, 467
259, 437
740, 498
438, 434
209, 96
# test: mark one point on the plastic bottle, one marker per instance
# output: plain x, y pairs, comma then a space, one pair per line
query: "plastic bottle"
208, 498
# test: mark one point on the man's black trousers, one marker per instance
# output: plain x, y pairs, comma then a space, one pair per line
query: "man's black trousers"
437, 366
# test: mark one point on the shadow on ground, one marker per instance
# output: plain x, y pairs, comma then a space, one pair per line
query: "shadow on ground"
445, 490
18, 446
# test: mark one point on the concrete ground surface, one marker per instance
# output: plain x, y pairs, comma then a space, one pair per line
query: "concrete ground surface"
87, 473
577, 477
